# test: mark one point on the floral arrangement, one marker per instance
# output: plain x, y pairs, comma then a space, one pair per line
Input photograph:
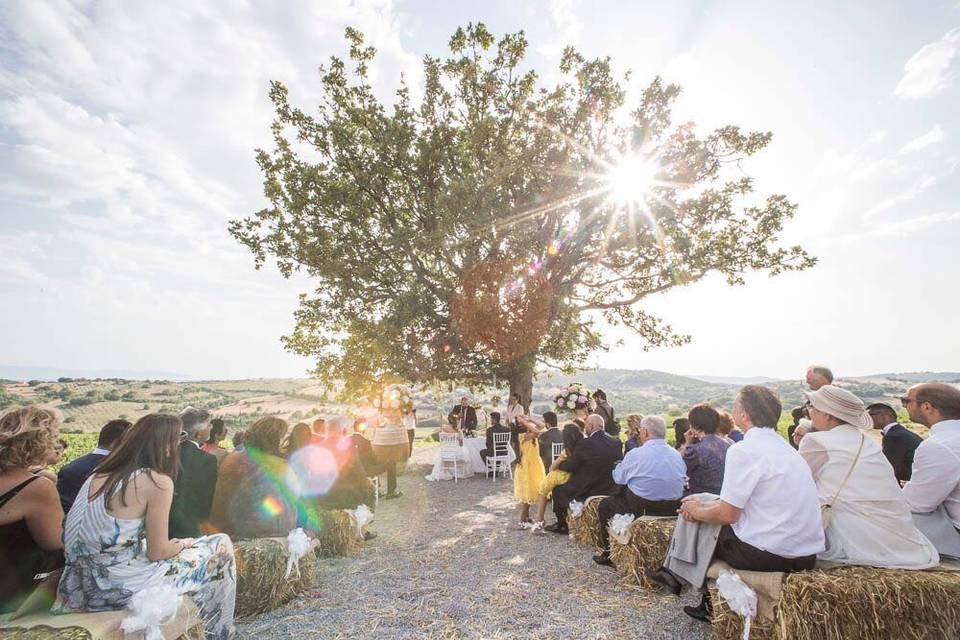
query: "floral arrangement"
573, 397
394, 397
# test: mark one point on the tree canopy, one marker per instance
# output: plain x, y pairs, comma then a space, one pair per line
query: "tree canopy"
483, 229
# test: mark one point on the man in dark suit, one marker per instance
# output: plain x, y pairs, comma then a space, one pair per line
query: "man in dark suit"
496, 427
552, 435
72, 476
591, 468
466, 416
899, 443
194, 486
605, 410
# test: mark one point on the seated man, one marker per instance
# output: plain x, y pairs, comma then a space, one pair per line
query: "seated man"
899, 444
72, 476
704, 451
495, 427
767, 517
934, 487
591, 465
653, 477
552, 435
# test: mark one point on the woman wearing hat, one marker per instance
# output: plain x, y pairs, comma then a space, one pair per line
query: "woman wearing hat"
866, 520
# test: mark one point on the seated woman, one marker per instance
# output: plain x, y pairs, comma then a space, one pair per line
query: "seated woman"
633, 433
30, 513
250, 500
728, 429
867, 521
218, 433
116, 535
572, 435
704, 451
444, 470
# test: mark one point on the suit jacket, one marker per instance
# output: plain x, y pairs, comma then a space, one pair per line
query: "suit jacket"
899, 446
72, 476
363, 452
591, 465
192, 491
605, 411
547, 439
470, 421
500, 428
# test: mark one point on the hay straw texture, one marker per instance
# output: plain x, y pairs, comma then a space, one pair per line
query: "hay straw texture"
646, 549
338, 534
43, 632
586, 529
855, 602
261, 585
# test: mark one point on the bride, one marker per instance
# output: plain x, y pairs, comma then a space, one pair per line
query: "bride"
443, 471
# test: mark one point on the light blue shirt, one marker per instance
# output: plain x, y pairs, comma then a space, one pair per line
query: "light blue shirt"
654, 471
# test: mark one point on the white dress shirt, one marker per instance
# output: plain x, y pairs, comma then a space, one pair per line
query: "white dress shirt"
887, 428
513, 412
936, 472
766, 478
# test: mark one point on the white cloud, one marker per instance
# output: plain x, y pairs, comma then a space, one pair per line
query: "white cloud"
912, 225
907, 195
568, 26
933, 136
928, 71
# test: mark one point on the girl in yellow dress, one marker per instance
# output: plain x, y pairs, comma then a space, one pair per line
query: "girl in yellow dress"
529, 472
572, 435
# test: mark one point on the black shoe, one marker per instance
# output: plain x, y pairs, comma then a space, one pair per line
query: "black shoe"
703, 611
368, 536
666, 580
556, 527
603, 559
391, 496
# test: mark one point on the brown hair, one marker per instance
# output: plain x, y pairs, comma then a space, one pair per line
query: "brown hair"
761, 404
725, 426
152, 443
27, 435
944, 398
266, 434
704, 418
300, 436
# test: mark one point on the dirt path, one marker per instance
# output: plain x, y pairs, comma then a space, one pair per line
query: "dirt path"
449, 564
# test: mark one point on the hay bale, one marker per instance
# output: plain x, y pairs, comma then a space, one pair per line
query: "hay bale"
261, 566
854, 602
102, 625
585, 529
338, 534
646, 549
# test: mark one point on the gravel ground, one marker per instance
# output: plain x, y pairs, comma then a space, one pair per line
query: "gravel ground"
448, 563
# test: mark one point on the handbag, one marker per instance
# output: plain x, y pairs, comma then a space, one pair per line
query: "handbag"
826, 515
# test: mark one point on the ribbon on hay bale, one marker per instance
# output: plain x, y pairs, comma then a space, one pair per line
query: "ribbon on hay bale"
575, 508
151, 609
361, 516
740, 598
620, 526
298, 545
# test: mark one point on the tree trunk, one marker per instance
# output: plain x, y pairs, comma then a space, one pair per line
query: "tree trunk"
521, 382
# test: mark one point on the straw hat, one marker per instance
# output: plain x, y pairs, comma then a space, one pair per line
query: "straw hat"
840, 404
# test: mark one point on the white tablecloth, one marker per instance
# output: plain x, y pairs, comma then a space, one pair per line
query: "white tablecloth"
474, 446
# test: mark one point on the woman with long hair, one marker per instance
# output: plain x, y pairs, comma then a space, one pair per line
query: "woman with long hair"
572, 435
218, 433
529, 472
116, 534
30, 512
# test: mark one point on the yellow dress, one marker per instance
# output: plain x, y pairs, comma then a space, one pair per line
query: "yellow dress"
554, 479
529, 473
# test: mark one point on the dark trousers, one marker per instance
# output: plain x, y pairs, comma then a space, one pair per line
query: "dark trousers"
391, 470
411, 434
562, 497
629, 502
740, 555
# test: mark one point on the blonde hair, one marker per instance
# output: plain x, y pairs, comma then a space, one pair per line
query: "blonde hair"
726, 424
27, 435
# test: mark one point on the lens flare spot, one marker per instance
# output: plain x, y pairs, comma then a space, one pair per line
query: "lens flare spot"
271, 507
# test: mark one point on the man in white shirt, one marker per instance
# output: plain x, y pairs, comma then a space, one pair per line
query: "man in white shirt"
768, 512
936, 463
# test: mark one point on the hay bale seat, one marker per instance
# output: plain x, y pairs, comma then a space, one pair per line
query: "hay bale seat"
585, 529
854, 602
338, 534
104, 625
646, 547
261, 567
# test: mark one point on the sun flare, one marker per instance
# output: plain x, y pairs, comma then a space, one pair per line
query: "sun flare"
631, 179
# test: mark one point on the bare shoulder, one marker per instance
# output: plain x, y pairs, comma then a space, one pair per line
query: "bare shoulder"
42, 489
152, 481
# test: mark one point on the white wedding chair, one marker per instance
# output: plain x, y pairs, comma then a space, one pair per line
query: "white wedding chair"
449, 452
557, 449
500, 460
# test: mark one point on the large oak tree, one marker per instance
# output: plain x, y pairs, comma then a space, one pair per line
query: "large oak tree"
495, 224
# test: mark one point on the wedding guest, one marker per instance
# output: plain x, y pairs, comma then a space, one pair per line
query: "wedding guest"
705, 452
605, 410
680, 426
767, 517
572, 435
529, 472
652, 479
117, 542
319, 429
410, 422
391, 447
250, 502
300, 436
495, 427
218, 433
591, 468
817, 376
899, 444
194, 485
237, 440
363, 449
75, 473
466, 416
30, 512
53, 458
550, 436
514, 410
633, 433
866, 520
797, 415
727, 429
934, 487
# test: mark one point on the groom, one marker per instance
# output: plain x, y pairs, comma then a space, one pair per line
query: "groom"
466, 416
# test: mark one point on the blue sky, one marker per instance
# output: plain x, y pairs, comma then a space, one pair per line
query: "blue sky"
127, 132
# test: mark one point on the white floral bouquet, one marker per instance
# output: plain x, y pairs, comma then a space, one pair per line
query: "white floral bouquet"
394, 397
573, 397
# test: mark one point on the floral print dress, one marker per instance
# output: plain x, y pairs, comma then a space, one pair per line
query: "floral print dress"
106, 563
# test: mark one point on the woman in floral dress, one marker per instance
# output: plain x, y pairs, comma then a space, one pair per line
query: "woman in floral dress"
116, 542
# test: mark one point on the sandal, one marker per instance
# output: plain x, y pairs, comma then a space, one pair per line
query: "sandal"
536, 527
